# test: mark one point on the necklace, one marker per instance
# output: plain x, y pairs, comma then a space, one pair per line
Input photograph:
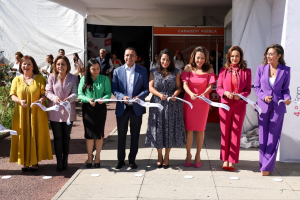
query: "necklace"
26, 85
273, 71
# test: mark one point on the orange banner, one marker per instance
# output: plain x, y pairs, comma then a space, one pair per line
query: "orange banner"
188, 31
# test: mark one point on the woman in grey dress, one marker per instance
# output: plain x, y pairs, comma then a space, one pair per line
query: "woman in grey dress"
165, 128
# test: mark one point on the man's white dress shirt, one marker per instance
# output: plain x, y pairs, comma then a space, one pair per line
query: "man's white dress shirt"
130, 79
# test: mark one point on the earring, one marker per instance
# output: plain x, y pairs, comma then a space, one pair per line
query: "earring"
277, 58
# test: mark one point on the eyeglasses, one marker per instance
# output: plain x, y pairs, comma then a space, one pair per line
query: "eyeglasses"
271, 54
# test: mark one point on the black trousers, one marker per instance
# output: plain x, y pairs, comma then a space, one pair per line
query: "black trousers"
61, 132
135, 128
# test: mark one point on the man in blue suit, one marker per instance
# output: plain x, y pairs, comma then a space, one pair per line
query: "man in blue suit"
130, 81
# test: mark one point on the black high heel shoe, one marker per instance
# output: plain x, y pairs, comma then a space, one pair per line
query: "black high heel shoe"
59, 166
25, 168
89, 165
34, 169
166, 166
161, 163
97, 165
65, 162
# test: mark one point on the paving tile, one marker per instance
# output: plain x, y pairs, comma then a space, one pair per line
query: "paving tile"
177, 192
250, 182
178, 180
254, 193
98, 191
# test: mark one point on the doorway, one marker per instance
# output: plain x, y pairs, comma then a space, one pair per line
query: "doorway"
115, 39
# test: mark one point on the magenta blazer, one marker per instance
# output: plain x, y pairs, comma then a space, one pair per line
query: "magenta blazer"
54, 89
279, 90
224, 84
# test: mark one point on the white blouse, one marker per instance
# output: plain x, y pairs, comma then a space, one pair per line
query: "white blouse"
271, 81
179, 64
16, 66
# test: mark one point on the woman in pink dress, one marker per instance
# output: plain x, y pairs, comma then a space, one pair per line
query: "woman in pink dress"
197, 79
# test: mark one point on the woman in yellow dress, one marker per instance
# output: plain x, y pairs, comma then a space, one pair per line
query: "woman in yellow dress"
32, 144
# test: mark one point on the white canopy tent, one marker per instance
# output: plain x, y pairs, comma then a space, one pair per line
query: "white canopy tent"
153, 12
51, 25
39, 28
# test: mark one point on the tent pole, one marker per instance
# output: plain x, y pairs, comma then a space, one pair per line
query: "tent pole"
85, 43
217, 60
152, 45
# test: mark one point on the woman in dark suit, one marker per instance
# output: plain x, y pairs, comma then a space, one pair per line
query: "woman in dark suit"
271, 85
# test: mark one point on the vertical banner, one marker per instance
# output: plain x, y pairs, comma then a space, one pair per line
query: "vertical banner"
290, 138
97, 41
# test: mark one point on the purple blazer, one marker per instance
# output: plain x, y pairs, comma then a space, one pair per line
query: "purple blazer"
68, 89
279, 90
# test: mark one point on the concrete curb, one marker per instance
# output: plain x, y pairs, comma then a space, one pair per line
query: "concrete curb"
70, 181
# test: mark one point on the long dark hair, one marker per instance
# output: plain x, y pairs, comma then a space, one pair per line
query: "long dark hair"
242, 63
51, 57
206, 66
88, 81
154, 61
181, 57
170, 68
279, 51
77, 57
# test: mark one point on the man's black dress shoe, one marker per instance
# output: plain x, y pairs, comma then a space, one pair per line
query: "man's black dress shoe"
120, 164
132, 165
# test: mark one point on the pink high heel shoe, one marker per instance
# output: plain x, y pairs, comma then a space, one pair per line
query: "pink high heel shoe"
187, 164
197, 165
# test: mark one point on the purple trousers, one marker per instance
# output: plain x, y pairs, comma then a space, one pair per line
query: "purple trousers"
270, 126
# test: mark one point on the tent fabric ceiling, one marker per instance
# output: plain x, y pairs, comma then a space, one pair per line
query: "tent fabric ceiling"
152, 12
155, 4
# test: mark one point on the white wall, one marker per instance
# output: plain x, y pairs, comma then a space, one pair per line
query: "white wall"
290, 138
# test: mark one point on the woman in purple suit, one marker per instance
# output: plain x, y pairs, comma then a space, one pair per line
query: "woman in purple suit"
271, 85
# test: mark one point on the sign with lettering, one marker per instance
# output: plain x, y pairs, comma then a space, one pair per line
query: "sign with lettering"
196, 31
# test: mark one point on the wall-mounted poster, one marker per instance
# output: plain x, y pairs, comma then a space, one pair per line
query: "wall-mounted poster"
97, 41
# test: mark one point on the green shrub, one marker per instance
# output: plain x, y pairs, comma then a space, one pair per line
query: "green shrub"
6, 104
